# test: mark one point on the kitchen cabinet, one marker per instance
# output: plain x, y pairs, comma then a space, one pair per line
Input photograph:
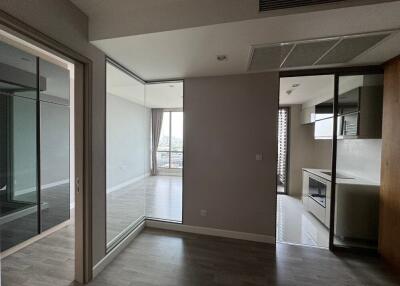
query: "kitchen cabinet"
356, 205
320, 211
359, 115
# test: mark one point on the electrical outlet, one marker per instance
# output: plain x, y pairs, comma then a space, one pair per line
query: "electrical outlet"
203, 212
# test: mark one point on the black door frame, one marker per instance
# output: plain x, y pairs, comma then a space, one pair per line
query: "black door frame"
337, 73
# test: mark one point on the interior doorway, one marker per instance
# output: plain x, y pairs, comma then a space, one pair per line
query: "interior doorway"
335, 157
40, 156
301, 216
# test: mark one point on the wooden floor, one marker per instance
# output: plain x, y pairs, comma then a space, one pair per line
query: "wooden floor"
158, 197
164, 258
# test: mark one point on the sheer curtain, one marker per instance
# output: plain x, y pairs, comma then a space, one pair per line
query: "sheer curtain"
157, 118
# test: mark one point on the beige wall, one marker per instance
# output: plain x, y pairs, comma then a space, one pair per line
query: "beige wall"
227, 121
62, 21
141, 17
305, 151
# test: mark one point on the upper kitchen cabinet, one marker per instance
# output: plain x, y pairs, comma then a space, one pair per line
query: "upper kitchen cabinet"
360, 107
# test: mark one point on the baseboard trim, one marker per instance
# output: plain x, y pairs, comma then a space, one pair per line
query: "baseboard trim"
43, 187
36, 238
99, 267
127, 183
211, 231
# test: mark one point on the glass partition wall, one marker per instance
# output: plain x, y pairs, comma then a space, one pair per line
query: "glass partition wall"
128, 152
34, 145
144, 152
358, 111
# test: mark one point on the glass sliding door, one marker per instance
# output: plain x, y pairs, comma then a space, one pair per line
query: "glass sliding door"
18, 139
358, 160
54, 145
128, 152
34, 145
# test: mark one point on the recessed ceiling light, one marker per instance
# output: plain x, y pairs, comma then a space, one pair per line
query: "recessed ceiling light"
222, 58
296, 85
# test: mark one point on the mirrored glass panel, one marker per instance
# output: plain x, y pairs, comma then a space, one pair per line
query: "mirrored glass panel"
18, 148
358, 160
128, 153
54, 145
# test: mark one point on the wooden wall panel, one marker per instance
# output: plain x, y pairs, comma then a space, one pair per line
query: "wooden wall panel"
389, 232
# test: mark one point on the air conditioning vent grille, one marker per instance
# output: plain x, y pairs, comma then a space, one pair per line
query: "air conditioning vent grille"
268, 5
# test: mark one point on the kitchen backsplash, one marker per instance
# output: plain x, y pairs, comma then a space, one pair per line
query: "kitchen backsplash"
360, 157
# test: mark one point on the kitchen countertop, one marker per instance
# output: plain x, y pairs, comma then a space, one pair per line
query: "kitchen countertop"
348, 181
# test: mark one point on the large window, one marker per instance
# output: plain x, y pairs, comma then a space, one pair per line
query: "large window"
170, 146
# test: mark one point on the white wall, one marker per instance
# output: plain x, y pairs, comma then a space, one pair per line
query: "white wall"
128, 141
360, 157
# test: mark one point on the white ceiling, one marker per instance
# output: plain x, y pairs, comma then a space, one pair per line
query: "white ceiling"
192, 52
164, 95
309, 88
155, 95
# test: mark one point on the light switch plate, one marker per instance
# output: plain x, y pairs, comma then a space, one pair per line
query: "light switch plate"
259, 157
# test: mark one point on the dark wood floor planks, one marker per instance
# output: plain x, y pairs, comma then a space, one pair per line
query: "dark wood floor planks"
165, 258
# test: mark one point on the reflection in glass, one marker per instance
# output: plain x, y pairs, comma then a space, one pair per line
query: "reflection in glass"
54, 145
358, 160
163, 144
170, 146
176, 131
18, 183
18, 189
20, 193
54, 152
128, 153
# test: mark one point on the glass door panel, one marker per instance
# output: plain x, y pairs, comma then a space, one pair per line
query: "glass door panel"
358, 161
18, 145
54, 144
19, 190
128, 153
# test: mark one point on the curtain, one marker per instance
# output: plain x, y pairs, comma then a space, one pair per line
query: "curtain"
156, 121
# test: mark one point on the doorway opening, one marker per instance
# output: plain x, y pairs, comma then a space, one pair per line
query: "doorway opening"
301, 216
333, 195
37, 145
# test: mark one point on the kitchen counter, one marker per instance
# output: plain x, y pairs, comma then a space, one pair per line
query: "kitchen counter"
349, 180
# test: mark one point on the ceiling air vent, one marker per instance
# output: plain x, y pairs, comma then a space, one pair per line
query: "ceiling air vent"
268, 5
338, 50
269, 58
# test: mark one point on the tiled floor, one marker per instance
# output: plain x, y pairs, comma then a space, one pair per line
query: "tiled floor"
297, 226
155, 196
